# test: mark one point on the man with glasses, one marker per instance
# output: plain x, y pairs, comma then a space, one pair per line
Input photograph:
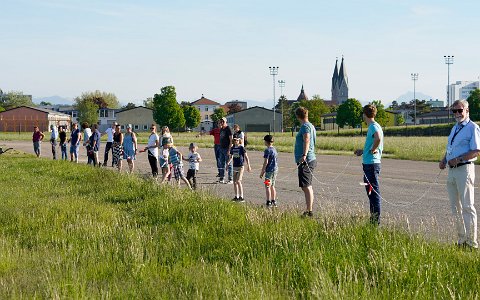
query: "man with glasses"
462, 150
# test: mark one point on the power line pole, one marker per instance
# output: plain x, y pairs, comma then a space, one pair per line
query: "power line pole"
274, 72
281, 83
448, 61
414, 78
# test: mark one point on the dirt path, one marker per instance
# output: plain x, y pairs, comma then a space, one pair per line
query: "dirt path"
338, 189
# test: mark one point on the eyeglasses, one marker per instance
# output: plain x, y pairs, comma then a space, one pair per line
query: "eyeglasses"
460, 110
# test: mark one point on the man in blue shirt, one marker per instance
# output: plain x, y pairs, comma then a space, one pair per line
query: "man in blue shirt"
305, 157
74, 140
372, 156
462, 150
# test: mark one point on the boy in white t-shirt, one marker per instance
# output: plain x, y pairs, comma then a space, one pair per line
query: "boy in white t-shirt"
194, 160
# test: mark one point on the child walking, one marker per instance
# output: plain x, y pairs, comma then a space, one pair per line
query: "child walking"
239, 155
194, 160
270, 170
175, 158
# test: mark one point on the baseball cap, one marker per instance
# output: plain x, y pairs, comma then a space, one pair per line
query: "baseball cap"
129, 126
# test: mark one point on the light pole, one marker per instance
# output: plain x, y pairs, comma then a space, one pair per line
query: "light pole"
281, 83
448, 61
273, 72
414, 78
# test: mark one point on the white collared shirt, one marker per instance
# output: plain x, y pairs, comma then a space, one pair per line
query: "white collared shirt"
463, 138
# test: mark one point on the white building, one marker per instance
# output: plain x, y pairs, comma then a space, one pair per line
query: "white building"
460, 90
206, 108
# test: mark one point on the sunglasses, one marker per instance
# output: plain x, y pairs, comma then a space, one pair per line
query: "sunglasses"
460, 110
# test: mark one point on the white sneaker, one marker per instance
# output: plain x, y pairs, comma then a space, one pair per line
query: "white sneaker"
228, 182
221, 181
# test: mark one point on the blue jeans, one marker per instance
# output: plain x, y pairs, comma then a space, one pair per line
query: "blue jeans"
223, 158
372, 172
63, 148
216, 150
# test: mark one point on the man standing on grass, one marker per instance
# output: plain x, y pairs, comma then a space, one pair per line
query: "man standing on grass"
305, 157
109, 132
372, 156
226, 137
462, 150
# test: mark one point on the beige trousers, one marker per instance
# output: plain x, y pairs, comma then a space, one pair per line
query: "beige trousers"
460, 186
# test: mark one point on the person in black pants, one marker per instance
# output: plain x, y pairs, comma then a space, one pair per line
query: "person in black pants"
109, 146
152, 149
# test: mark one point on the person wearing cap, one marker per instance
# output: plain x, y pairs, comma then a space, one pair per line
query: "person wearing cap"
130, 147
109, 146
194, 160
305, 158
463, 147
226, 140
37, 138
53, 140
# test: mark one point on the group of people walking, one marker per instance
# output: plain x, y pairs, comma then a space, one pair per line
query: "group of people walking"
231, 156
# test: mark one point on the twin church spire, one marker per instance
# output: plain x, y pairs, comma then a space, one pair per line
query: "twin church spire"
339, 83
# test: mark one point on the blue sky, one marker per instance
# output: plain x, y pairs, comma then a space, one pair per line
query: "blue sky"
223, 48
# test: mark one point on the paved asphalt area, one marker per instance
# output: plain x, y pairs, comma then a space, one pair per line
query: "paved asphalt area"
415, 192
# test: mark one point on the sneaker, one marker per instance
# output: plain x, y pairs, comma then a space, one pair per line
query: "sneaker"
308, 214
221, 180
274, 203
240, 199
218, 175
235, 199
229, 182
268, 204
104, 164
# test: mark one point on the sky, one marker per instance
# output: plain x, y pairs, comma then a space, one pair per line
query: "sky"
223, 48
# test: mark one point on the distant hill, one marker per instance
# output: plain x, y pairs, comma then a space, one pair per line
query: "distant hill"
408, 96
54, 100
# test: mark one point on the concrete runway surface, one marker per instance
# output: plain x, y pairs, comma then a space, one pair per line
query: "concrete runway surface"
415, 202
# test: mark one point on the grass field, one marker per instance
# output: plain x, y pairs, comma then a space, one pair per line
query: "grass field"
411, 148
70, 231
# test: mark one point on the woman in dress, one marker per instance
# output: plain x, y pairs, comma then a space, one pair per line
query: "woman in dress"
130, 147
117, 148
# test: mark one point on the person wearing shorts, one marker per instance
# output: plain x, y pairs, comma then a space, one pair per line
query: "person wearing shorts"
305, 158
74, 140
175, 158
238, 155
194, 160
37, 138
270, 170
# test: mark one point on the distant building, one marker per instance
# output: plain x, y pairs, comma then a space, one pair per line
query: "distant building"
436, 103
24, 118
339, 84
434, 117
329, 121
302, 95
256, 119
242, 104
206, 108
140, 117
106, 117
460, 90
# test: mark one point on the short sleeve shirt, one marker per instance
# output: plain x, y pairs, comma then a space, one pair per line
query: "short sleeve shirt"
271, 155
298, 152
463, 138
225, 134
152, 139
238, 155
95, 137
74, 137
174, 157
87, 132
368, 157
193, 161
109, 133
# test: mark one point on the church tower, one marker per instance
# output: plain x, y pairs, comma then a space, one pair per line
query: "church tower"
334, 84
302, 95
339, 83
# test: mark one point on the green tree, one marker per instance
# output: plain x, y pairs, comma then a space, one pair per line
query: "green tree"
474, 104
148, 102
2, 109
284, 108
46, 103
101, 99
87, 111
166, 110
382, 116
316, 108
350, 113
400, 120
192, 116
292, 116
234, 108
15, 99
129, 105
218, 113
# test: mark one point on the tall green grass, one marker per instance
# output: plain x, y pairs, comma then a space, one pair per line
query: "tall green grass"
71, 231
